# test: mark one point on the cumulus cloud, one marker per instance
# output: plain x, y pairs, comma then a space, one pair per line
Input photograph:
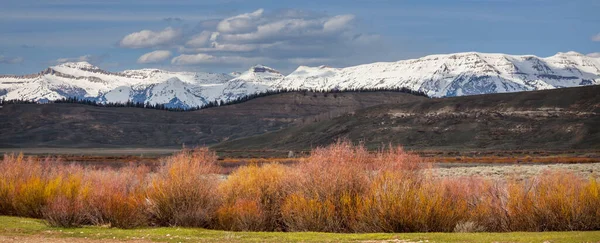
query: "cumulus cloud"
154, 57
201, 58
193, 59
596, 37
11, 60
338, 23
149, 38
200, 40
594, 54
242, 23
283, 38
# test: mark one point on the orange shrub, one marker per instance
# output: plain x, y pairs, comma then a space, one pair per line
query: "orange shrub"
333, 182
400, 203
261, 190
554, 201
66, 208
184, 191
118, 197
242, 215
330, 180
301, 213
487, 201
25, 186
341, 188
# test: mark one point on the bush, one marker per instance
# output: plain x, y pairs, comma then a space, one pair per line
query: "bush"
341, 188
118, 197
252, 198
554, 201
25, 186
66, 208
400, 203
330, 182
184, 191
335, 183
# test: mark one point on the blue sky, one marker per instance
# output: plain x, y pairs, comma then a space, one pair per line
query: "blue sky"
230, 35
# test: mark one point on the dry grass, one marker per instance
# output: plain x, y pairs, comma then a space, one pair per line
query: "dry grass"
522, 159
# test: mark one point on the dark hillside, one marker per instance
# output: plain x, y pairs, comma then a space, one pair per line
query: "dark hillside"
560, 119
75, 125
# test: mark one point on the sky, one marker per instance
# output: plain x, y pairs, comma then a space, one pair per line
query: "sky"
233, 35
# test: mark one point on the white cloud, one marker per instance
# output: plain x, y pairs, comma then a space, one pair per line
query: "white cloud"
216, 47
10, 60
242, 23
84, 58
154, 57
310, 61
148, 38
200, 40
594, 54
202, 58
596, 37
193, 59
278, 30
337, 23
283, 38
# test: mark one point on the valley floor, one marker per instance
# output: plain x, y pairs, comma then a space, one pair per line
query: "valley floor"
15, 229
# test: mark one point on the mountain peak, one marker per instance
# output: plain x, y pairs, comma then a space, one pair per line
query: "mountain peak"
78, 65
569, 53
263, 69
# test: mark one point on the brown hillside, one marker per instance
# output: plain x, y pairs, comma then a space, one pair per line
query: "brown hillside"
560, 119
74, 125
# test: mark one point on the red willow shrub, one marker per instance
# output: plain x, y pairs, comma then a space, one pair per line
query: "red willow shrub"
341, 188
117, 197
554, 201
69, 196
252, 198
26, 185
330, 183
184, 191
333, 183
66, 208
399, 203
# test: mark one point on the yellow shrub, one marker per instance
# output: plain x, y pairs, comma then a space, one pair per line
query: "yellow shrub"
309, 214
266, 186
184, 191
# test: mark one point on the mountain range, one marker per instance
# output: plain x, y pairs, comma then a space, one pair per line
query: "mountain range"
446, 75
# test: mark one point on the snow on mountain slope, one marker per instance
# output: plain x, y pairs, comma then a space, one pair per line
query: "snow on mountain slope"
257, 79
437, 75
85, 81
456, 74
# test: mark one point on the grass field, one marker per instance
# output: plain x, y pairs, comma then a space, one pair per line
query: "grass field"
24, 229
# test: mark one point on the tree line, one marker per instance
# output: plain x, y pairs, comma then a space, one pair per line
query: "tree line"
210, 104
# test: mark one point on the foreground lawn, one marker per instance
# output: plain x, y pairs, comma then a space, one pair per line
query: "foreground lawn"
24, 228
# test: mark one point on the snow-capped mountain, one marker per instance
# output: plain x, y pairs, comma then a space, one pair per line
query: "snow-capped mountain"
437, 75
85, 81
457, 74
